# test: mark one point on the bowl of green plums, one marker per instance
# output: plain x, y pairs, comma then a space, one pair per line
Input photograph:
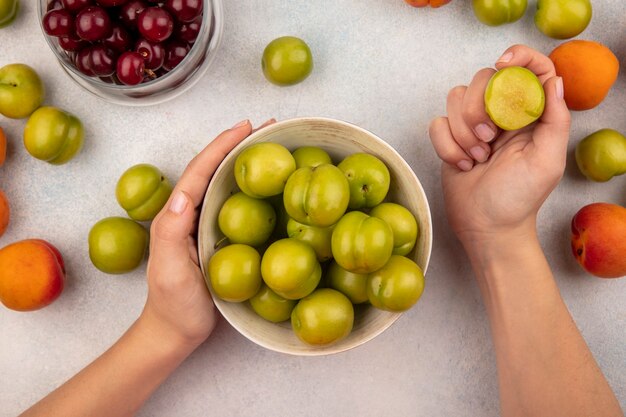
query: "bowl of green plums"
314, 236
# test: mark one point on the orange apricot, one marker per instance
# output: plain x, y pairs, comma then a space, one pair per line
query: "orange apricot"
5, 212
3, 147
588, 69
32, 274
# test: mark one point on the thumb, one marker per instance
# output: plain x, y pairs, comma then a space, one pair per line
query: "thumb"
170, 230
552, 132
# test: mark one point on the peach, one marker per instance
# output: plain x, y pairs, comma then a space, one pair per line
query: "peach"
598, 242
32, 274
5, 213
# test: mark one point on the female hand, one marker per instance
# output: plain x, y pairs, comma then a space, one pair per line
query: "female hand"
495, 182
179, 304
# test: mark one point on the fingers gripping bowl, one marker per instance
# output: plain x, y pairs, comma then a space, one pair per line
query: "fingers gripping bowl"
339, 139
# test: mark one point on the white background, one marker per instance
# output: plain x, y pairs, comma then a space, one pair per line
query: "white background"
380, 64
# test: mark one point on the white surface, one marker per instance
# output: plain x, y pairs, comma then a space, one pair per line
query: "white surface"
379, 64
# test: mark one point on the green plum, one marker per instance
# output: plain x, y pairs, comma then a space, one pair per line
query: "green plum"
368, 177
353, 286
324, 317
234, 272
563, 19
402, 223
142, 191
514, 98
602, 155
271, 306
261, 170
396, 286
361, 243
317, 237
311, 156
290, 268
286, 61
53, 135
8, 12
117, 245
21, 91
317, 196
499, 12
246, 220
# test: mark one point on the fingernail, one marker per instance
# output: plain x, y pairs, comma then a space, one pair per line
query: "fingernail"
505, 57
465, 165
240, 124
559, 88
478, 153
178, 203
484, 132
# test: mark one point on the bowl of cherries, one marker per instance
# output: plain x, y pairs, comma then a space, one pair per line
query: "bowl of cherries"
133, 52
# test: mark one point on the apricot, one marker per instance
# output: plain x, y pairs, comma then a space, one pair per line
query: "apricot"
32, 274
589, 70
597, 239
3, 147
5, 213
423, 3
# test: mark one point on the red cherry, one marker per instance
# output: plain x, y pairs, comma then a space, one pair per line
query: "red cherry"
184, 10
130, 11
175, 52
155, 24
93, 24
188, 32
102, 60
153, 53
130, 68
119, 40
58, 22
75, 6
72, 43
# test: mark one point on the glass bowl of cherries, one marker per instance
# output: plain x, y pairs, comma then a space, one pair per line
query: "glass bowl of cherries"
133, 52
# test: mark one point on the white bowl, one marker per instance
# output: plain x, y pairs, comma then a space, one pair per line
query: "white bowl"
339, 139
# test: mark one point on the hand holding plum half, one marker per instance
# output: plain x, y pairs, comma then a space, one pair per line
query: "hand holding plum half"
313, 201
514, 166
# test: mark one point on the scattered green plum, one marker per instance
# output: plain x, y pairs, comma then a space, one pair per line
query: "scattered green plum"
142, 191
602, 155
8, 12
499, 12
117, 245
562, 19
21, 91
53, 135
286, 61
